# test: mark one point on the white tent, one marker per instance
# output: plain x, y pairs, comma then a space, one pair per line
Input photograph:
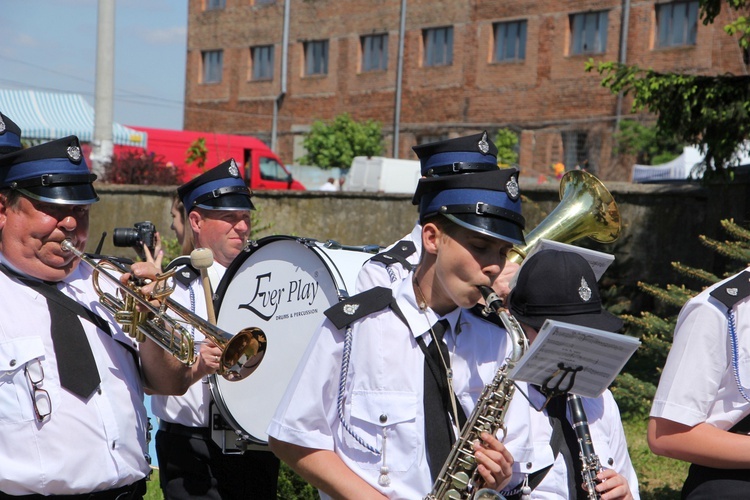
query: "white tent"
677, 169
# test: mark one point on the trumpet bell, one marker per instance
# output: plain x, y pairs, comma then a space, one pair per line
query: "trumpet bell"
586, 208
243, 354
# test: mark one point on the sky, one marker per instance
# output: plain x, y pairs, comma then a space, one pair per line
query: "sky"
50, 45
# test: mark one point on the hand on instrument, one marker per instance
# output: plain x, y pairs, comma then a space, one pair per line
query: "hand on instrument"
158, 255
502, 282
612, 486
209, 360
494, 461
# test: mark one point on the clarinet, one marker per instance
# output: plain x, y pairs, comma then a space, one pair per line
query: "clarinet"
589, 459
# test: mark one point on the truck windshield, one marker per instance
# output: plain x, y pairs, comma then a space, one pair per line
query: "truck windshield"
271, 170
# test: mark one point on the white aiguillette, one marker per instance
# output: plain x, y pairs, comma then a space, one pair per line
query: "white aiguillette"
576, 359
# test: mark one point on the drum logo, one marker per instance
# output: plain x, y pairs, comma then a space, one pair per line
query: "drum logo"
267, 296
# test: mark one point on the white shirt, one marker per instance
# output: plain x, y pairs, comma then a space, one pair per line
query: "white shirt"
607, 435
697, 383
375, 273
191, 409
83, 446
385, 379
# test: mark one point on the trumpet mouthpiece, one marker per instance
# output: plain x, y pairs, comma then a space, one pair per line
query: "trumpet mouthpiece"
201, 258
67, 245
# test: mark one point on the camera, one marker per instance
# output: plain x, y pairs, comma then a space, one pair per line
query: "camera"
142, 233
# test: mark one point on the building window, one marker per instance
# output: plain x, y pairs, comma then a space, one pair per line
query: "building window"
316, 57
264, 2
438, 46
214, 4
374, 52
677, 23
262, 61
588, 32
575, 150
510, 41
213, 64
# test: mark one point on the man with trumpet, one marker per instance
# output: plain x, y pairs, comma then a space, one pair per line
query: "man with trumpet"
72, 418
217, 205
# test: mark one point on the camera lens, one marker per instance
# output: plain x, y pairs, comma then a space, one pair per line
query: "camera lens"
125, 237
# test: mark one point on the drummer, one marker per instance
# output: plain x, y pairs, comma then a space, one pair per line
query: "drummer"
191, 465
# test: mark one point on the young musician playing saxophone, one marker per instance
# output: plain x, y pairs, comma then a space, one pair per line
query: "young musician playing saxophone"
559, 285
372, 411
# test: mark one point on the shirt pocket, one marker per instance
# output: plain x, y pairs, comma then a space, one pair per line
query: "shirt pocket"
16, 404
384, 413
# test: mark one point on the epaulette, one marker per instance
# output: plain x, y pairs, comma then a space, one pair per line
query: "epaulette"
733, 290
478, 311
358, 306
397, 253
186, 273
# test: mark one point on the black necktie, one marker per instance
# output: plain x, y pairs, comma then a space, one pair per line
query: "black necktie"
439, 434
75, 360
572, 452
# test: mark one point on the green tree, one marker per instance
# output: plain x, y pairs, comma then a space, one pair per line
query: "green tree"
335, 144
197, 153
709, 111
643, 142
506, 141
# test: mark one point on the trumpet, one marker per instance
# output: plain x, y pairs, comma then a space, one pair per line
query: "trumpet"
139, 318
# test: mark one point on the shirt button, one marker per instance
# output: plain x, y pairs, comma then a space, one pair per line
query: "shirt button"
99, 390
529, 465
611, 461
114, 443
383, 418
13, 362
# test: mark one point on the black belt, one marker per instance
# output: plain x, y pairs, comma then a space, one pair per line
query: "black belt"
131, 491
184, 430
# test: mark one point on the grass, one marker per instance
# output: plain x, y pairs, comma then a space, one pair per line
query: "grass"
659, 478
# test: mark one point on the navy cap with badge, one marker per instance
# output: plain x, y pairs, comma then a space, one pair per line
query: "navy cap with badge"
10, 135
561, 286
53, 172
472, 153
221, 188
485, 202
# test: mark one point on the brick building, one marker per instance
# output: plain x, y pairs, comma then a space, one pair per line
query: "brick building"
467, 65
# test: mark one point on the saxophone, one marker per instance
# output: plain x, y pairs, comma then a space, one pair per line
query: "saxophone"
589, 459
459, 477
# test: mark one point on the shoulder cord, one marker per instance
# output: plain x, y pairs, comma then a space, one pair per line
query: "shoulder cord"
342, 386
735, 363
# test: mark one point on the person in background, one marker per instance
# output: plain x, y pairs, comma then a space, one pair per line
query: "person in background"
10, 135
462, 155
72, 420
330, 185
561, 285
701, 409
371, 411
192, 465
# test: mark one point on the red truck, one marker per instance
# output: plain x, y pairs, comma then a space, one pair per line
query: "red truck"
263, 169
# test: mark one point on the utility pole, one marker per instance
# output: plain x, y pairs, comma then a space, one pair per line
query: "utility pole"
103, 146
399, 79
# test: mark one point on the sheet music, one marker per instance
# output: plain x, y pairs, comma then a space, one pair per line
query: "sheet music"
564, 354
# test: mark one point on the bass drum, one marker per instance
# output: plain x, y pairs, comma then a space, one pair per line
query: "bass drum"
281, 285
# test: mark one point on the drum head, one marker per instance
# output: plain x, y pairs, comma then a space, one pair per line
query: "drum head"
282, 286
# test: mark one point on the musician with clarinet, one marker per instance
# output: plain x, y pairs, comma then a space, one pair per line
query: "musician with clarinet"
72, 420
580, 450
389, 378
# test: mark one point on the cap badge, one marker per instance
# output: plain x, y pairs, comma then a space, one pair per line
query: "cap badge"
2, 125
74, 153
483, 144
732, 291
511, 187
584, 291
350, 309
186, 274
233, 170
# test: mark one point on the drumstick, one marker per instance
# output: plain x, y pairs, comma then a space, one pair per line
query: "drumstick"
202, 259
